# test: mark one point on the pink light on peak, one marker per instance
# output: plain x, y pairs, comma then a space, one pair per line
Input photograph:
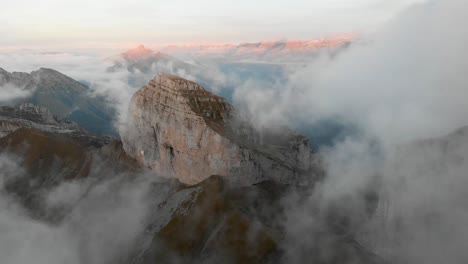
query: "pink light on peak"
138, 53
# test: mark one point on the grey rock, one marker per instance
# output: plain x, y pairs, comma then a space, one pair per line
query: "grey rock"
178, 129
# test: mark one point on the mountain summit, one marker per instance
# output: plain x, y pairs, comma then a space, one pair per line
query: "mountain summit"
179, 129
138, 53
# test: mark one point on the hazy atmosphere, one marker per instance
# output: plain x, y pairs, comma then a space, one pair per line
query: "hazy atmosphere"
233, 132
116, 24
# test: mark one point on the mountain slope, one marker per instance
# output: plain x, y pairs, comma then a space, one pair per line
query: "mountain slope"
74, 183
180, 130
280, 51
31, 116
143, 63
63, 96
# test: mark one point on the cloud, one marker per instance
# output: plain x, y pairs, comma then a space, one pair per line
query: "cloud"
405, 86
104, 217
117, 86
32, 24
90, 69
407, 83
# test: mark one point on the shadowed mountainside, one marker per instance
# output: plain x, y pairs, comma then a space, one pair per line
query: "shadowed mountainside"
63, 96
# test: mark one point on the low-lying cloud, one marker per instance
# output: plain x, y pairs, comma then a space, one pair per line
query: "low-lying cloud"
10, 92
104, 217
406, 86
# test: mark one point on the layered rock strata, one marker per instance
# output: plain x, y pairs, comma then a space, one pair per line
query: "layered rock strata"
32, 116
179, 129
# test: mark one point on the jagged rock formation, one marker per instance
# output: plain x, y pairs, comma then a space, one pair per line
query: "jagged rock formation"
180, 130
63, 96
214, 221
147, 61
143, 63
31, 116
211, 222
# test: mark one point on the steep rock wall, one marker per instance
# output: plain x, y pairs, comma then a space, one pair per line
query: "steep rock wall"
180, 130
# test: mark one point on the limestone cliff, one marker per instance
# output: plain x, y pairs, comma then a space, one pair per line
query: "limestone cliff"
180, 130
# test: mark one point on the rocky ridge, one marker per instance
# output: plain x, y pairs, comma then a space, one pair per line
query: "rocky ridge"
179, 129
62, 95
31, 116
281, 50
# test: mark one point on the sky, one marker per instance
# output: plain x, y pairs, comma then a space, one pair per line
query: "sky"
58, 24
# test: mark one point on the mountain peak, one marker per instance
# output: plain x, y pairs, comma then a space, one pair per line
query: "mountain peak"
179, 129
29, 111
138, 53
47, 72
164, 76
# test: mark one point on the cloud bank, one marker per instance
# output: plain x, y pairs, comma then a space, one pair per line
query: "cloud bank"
406, 91
105, 215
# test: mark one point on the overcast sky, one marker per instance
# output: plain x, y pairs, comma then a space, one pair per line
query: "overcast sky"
90, 23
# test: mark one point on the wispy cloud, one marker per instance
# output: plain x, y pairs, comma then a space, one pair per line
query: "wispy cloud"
405, 86
105, 216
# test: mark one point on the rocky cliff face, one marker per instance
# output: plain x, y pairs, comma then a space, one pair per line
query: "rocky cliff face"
63, 178
180, 130
31, 116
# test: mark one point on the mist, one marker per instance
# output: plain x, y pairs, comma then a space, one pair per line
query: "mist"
116, 84
406, 92
10, 92
102, 218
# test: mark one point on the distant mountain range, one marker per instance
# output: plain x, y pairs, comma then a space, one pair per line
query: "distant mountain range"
199, 62
279, 51
225, 186
222, 68
218, 67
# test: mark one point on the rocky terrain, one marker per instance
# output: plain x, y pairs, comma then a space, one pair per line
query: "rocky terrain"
180, 130
51, 151
216, 220
211, 187
63, 97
